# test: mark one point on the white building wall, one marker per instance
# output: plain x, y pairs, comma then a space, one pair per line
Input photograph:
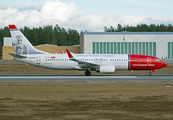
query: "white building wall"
7, 41
161, 41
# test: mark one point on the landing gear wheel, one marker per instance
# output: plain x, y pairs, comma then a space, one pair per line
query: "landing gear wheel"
87, 73
150, 73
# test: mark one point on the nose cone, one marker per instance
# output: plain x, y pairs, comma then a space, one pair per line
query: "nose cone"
164, 64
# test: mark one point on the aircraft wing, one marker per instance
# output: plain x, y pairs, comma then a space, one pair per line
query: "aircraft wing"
82, 64
17, 56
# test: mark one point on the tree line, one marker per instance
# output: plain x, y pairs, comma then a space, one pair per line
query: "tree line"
51, 35
140, 28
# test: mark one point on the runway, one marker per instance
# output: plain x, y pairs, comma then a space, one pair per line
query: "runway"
81, 78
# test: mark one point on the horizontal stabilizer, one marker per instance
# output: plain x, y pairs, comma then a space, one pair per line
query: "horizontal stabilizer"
17, 56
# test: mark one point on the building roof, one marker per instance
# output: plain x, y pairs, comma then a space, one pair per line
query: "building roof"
127, 33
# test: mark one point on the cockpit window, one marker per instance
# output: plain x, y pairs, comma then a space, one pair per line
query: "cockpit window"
157, 59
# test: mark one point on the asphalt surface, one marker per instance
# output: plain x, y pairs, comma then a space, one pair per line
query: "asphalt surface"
82, 77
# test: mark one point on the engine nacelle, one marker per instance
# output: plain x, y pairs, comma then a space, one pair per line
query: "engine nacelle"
107, 69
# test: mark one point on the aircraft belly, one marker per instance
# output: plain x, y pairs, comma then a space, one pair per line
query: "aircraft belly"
121, 66
27, 61
63, 65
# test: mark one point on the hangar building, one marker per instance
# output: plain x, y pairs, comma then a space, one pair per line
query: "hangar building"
159, 44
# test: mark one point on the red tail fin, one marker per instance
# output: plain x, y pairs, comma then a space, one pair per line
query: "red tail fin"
69, 54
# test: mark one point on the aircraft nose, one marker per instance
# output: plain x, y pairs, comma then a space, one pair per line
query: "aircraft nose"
164, 64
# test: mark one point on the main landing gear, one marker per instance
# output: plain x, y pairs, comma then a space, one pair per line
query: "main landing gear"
87, 73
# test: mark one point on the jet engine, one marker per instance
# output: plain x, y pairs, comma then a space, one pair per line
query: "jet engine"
106, 69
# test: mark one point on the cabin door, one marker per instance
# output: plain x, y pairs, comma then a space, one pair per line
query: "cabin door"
38, 60
149, 62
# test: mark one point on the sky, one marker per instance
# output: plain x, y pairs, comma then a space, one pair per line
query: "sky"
89, 15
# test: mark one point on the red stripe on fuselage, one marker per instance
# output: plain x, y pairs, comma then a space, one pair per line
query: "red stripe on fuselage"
145, 62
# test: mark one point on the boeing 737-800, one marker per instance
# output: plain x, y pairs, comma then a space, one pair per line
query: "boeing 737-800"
102, 63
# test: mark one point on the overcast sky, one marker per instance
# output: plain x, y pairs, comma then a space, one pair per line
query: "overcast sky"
90, 15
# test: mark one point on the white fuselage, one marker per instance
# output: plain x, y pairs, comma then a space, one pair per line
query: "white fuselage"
62, 61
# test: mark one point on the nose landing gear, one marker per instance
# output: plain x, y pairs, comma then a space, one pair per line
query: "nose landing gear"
87, 73
150, 73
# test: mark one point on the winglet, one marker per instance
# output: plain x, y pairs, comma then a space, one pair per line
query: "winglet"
62, 52
69, 54
12, 27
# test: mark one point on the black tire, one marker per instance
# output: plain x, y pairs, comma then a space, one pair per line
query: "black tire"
87, 73
150, 73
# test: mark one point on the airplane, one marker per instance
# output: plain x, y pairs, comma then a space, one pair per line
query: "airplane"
101, 63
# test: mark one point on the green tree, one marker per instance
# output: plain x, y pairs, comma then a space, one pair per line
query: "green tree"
40, 35
27, 32
170, 28
46, 36
35, 38
141, 28
119, 28
6, 32
153, 28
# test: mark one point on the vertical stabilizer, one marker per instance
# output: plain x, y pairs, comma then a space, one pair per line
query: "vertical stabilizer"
21, 44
